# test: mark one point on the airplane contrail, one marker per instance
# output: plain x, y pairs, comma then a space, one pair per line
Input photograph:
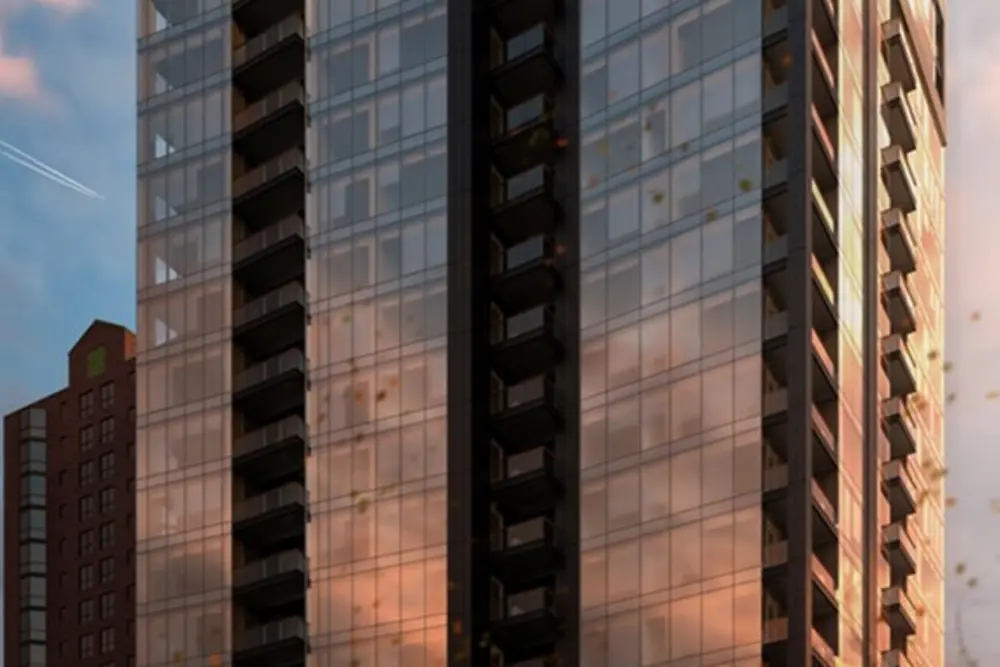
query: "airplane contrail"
17, 156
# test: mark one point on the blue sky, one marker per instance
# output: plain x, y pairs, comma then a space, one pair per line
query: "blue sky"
67, 94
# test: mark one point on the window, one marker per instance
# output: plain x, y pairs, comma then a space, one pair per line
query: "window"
86, 647
107, 566
107, 395
107, 430
107, 605
87, 473
86, 539
106, 500
107, 640
97, 362
107, 465
86, 438
86, 611
107, 537
86, 577
86, 404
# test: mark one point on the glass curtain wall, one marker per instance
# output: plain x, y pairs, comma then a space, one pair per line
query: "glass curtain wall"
377, 346
184, 306
671, 309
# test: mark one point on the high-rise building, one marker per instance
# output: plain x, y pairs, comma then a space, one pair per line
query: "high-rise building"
540, 332
69, 518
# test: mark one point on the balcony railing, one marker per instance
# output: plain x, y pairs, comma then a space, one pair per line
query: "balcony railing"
292, 493
293, 225
291, 159
293, 25
262, 635
293, 92
276, 565
270, 302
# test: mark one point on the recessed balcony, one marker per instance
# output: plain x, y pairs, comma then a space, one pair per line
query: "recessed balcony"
530, 71
775, 103
898, 302
898, 179
899, 241
526, 415
775, 177
899, 54
271, 59
825, 152
899, 548
525, 345
525, 146
528, 210
775, 645
528, 278
273, 388
272, 124
900, 489
273, 516
528, 485
273, 452
775, 24
896, 658
512, 17
272, 190
526, 555
256, 15
272, 256
279, 644
273, 322
899, 610
899, 365
525, 624
898, 116
272, 582
900, 427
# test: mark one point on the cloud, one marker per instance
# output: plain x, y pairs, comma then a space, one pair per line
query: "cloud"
19, 75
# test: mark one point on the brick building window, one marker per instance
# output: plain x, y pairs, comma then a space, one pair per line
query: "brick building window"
106, 500
107, 465
107, 566
107, 430
107, 392
86, 508
87, 473
86, 404
86, 438
86, 577
107, 640
107, 605
86, 542
86, 611
86, 647
107, 537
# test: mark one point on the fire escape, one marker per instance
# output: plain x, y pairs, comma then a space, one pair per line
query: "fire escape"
270, 506
900, 474
786, 322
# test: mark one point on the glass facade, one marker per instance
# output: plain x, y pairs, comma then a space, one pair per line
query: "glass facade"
671, 389
377, 342
183, 381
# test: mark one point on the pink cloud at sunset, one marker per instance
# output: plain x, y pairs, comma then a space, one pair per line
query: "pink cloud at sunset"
19, 75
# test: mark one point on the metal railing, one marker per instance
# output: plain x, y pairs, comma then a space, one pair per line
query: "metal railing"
293, 25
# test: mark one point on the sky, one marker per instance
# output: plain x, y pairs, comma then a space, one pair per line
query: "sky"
67, 97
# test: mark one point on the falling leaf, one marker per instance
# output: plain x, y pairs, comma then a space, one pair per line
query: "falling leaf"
960, 569
562, 142
947, 366
362, 505
950, 501
711, 215
920, 611
380, 396
355, 493
393, 382
592, 181
995, 505
359, 436
932, 355
787, 60
560, 249
950, 398
602, 148
397, 640
456, 628
745, 185
658, 196
346, 318
648, 126
992, 395
359, 395
484, 640
976, 316
973, 582
613, 95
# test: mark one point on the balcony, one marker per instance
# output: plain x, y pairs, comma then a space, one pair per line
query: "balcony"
824, 224
776, 330
272, 256
825, 303
528, 72
272, 323
525, 624
899, 54
824, 444
512, 17
899, 489
825, 583
526, 345
899, 179
272, 582
898, 302
272, 124
899, 241
271, 59
899, 610
775, 640
823, 653
775, 256
271, 190
272, 388
256, 15
279, 644
775, 178
824, 92
526, 555
528, 210
775, 103
775, 556
526, 415
896, 658
825, 381
899, 549
899, 365
825, 21
898, 116
776, 479
272, 453
775, 24
825, 154
825, 530
525, 146
274, 516
900, 427
529, 278
775, 405
528, 486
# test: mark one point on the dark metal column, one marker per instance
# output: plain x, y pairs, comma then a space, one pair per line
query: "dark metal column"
799, 330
